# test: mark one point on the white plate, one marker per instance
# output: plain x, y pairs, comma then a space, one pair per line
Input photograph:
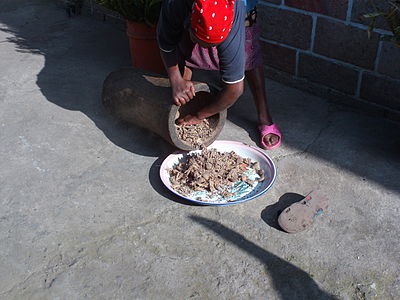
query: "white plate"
242, 150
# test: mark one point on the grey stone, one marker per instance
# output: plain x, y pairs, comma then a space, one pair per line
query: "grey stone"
389, 60
346, 43
273, 1
336, 9
330, 74
362, 7
279, 57
285, 26
380, 90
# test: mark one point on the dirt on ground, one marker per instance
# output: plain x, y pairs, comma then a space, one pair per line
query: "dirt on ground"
212, 171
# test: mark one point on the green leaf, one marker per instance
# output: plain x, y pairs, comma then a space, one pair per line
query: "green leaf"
371, 27
374, 14
146, 11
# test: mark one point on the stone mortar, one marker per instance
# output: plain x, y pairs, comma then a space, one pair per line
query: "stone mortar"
144, 99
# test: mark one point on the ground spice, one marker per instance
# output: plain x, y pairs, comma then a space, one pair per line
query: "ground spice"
213, 172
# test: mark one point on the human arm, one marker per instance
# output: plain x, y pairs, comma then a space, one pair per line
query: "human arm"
231, 54
169, 33
182, 90
224, 99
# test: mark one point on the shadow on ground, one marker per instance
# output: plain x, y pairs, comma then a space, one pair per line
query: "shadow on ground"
159, 187
270, 213
288, 280
80, 52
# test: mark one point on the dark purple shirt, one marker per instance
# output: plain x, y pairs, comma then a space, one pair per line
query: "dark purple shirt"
175, 19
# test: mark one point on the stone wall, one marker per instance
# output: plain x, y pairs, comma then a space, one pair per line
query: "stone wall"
323, 46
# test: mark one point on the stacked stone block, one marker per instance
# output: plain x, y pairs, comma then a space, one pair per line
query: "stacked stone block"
325, 44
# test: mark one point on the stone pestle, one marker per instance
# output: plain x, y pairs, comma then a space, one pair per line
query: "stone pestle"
144, 99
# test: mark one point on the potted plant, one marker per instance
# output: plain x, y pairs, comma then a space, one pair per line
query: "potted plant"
392, 17
141, 17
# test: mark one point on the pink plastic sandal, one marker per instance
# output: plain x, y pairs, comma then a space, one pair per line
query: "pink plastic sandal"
268, 129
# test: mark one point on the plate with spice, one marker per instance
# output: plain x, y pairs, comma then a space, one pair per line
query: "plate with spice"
226, 172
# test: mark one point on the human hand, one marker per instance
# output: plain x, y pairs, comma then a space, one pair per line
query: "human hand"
182, 91
189, 120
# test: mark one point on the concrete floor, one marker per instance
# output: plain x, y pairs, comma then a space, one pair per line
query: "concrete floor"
84, 214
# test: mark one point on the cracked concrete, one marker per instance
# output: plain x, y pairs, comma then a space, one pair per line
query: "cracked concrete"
85, 216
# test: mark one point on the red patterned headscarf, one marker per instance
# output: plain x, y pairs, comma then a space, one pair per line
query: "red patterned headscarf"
212, 19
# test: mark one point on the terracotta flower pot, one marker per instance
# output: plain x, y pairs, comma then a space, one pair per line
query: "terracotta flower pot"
144, 49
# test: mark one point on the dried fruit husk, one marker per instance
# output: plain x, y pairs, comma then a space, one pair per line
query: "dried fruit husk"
213, 172
196, 135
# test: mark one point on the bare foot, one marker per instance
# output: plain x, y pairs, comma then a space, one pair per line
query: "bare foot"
271, 139
189, 120
271, 136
